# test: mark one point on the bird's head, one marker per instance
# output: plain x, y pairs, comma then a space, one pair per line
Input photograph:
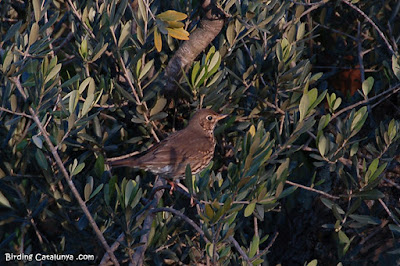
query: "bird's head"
207, 119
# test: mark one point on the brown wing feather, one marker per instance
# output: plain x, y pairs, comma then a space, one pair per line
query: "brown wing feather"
171, 152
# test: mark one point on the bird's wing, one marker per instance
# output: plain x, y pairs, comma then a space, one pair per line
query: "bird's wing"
173, 151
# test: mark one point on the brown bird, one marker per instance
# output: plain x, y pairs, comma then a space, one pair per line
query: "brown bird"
193, 145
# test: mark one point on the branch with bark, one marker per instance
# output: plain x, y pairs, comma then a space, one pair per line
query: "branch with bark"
209, 27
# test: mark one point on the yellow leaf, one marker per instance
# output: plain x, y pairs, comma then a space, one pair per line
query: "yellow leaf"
175, 24
252, 130
172, 15
179, 34
157, 40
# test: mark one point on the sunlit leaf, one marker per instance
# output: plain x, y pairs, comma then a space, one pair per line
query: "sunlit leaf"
172, 15
178, 33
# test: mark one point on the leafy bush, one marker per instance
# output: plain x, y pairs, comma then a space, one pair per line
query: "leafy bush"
302, 167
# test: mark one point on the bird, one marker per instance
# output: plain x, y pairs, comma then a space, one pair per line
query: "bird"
194, 145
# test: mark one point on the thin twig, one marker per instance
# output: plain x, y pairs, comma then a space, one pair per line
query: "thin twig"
185, 218
106, 258
312, 8
240, 250
392, 91
362, 72
15, 113
389, 212
372, 23
265, 250
122, 156
392, 183
312, 189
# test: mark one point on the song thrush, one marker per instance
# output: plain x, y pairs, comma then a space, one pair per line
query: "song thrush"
193, 145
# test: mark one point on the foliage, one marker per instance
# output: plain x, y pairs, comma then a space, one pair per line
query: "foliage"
82, 81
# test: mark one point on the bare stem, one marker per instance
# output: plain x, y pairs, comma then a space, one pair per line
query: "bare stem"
312, 189
240, 250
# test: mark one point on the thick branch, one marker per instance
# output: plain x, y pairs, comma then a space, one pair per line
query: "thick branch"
209, 28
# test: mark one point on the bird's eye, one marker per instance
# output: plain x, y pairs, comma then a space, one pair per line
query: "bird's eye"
209, 118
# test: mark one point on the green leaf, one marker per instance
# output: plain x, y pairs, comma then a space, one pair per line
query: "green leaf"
53, 72
323, 145
230, 32
125, 33
371, 169
146, 69
254, 246
394, 228
202, 76
99, 53
392, 129
12, 31
195, 71
328, 203
324, 121
373, 194
210, 249
159, 106
87, 104
343, 237
378, 172
124, 93
189, 180
365, 219
4, 201
70, 81
359, 120
367, 85
318, 100
89, 101
396, 66
336, 103
314, 262
41, 159
37, 9
287, 192
38, 141
34, 34
83, 49
354, 149
7, 61
116, 17
249, 209
88, 187
303, 107
137, 198
78, 169
300, 31
214, 63
96, 191
209, 211
129, 195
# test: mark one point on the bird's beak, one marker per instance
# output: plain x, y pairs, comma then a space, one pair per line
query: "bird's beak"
220, 117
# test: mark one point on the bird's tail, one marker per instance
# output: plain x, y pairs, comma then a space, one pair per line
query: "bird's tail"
127, 162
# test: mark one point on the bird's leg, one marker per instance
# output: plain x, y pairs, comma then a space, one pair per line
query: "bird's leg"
187, 191
172, 184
